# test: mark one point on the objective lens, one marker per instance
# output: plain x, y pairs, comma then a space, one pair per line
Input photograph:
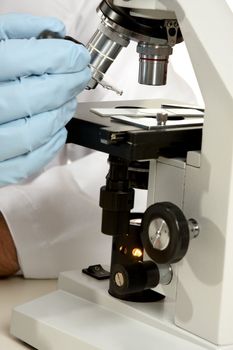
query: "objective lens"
104, 47
153, 62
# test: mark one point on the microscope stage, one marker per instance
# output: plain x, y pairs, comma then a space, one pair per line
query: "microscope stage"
82, 315
125, 139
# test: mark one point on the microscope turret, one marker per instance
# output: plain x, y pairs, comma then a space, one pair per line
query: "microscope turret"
155, 38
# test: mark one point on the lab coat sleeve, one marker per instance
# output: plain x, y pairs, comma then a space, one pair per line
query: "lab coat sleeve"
55, 219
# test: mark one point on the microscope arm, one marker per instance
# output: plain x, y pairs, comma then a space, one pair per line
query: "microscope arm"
205, 289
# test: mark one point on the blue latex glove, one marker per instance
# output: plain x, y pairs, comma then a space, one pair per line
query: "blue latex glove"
39, 82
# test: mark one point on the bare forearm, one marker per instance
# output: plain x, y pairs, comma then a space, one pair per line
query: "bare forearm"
8, 257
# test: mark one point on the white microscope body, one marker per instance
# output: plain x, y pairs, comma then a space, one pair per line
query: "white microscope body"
202, 185
204, 303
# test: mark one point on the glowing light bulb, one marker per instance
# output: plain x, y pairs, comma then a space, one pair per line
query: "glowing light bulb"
137, 252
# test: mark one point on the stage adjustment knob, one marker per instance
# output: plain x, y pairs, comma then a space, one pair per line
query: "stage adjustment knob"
135, 277
139, 276
166, 232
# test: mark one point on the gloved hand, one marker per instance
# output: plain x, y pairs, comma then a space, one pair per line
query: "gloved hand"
39, 81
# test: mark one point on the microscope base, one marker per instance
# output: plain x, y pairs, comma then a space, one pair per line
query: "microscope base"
82, 315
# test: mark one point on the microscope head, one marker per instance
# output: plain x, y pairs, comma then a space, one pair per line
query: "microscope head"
118, 26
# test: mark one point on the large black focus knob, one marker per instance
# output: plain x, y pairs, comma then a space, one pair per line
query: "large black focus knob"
165, 233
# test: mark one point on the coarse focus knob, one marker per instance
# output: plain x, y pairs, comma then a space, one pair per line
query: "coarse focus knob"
165, 233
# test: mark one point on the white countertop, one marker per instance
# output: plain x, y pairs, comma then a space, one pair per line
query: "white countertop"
15, 291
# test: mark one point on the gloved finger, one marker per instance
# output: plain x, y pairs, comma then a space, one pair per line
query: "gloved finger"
34, 95
19, 168
22, 58
25, 26
30, 133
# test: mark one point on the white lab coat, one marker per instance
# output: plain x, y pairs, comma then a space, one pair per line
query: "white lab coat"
54, 218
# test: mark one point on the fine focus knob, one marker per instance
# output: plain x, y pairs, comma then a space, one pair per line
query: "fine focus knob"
165, 233
135, 277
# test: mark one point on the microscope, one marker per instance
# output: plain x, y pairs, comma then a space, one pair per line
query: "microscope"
170, 283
